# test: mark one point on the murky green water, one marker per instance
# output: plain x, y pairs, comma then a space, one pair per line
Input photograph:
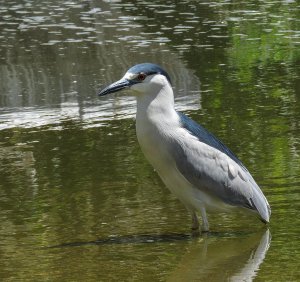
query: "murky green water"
78, 201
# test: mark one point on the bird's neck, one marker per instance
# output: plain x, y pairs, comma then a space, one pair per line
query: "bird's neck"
156, 119
157, 105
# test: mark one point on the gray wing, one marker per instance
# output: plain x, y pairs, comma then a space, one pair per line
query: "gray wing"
208, 138
210, 166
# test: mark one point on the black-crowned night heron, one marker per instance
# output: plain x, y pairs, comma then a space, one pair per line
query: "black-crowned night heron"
196, 166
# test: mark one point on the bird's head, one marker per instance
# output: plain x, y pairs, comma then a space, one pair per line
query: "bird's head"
141, 78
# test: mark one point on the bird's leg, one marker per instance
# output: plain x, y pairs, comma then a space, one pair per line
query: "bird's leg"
195, 221
205, 225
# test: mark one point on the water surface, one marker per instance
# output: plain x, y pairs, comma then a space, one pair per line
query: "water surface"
78, 201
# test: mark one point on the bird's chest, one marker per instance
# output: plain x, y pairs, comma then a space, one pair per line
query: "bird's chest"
154, 139
156, 143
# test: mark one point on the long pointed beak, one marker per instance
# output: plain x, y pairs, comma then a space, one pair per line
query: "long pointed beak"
115, 87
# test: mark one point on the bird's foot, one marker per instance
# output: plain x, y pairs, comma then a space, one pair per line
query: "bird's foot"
196, 232
204, 231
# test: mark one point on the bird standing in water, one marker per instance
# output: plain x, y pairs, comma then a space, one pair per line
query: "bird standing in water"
196, 166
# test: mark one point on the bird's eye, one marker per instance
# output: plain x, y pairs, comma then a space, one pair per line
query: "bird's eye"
141, 76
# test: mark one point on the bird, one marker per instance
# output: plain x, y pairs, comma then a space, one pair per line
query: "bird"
203, 173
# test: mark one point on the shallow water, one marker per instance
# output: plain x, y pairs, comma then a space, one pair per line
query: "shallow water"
78, 201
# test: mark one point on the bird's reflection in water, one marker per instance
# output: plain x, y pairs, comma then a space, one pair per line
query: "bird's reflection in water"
229, 258
209, 257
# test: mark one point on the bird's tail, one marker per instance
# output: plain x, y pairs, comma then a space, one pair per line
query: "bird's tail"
261, 204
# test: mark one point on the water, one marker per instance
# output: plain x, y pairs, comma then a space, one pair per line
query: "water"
78, 201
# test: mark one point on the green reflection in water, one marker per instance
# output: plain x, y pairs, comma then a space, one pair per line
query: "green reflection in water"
64, 182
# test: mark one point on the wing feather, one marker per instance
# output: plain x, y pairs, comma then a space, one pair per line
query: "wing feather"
210, 166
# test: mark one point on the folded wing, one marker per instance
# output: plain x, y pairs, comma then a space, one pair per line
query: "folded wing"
212, 167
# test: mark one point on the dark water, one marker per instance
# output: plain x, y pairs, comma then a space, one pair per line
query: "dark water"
78, 201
